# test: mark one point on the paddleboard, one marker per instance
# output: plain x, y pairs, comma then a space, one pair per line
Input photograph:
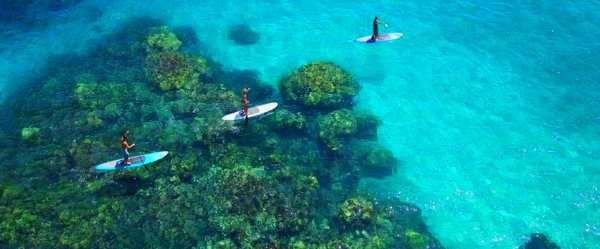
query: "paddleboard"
136, 161
252, 112
382, 38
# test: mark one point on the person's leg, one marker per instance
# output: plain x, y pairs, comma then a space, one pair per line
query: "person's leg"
126, 156
246, 110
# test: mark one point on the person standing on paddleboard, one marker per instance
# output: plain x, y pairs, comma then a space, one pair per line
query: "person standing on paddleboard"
376, 28
245, 102
125, 147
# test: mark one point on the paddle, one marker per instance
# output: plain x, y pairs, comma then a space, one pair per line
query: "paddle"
384, 24
143, 158
144, 164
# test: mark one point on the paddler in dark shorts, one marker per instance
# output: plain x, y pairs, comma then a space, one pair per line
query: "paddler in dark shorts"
376, 29
245, 102
125, 147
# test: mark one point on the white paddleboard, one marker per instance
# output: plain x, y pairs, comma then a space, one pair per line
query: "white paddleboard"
136, 161
252, 112
382, 38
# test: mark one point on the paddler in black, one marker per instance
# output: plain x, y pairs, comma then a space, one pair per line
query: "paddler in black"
375, 28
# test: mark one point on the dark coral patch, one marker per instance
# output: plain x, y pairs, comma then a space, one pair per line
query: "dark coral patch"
240, 79
539, 241
242, 34
186, 34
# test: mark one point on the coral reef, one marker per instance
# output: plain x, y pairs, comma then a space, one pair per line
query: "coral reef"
319, 84
336, 126
355, 213
31, 135
162, 40
170, 68
186, 35
367, 127
288, 121
539, 241
175, 70
242, 34
374, 160
287, 182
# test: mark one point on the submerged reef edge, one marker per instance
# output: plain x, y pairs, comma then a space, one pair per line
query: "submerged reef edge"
287, 180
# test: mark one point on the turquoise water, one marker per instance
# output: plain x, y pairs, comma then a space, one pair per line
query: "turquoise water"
492, 107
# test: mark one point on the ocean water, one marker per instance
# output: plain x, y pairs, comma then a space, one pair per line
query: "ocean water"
492, 107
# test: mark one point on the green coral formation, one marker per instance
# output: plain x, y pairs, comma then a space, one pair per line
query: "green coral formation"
355, 213
287, 182
415, 240
336, 126
287, 121
11, 193
29, 132
162, 40
175, 70
31, 135
168, 66
374, 160
321, 85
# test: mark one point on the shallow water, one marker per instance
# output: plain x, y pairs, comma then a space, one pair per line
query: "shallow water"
491, 106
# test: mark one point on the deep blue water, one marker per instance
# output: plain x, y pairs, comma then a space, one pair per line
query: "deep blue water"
492, 107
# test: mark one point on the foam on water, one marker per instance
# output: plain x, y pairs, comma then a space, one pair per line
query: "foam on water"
491, 106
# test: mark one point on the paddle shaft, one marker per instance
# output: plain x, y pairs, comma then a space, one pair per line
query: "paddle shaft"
144, 163
143, 158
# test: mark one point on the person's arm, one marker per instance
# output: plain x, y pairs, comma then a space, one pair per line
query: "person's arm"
127, 144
